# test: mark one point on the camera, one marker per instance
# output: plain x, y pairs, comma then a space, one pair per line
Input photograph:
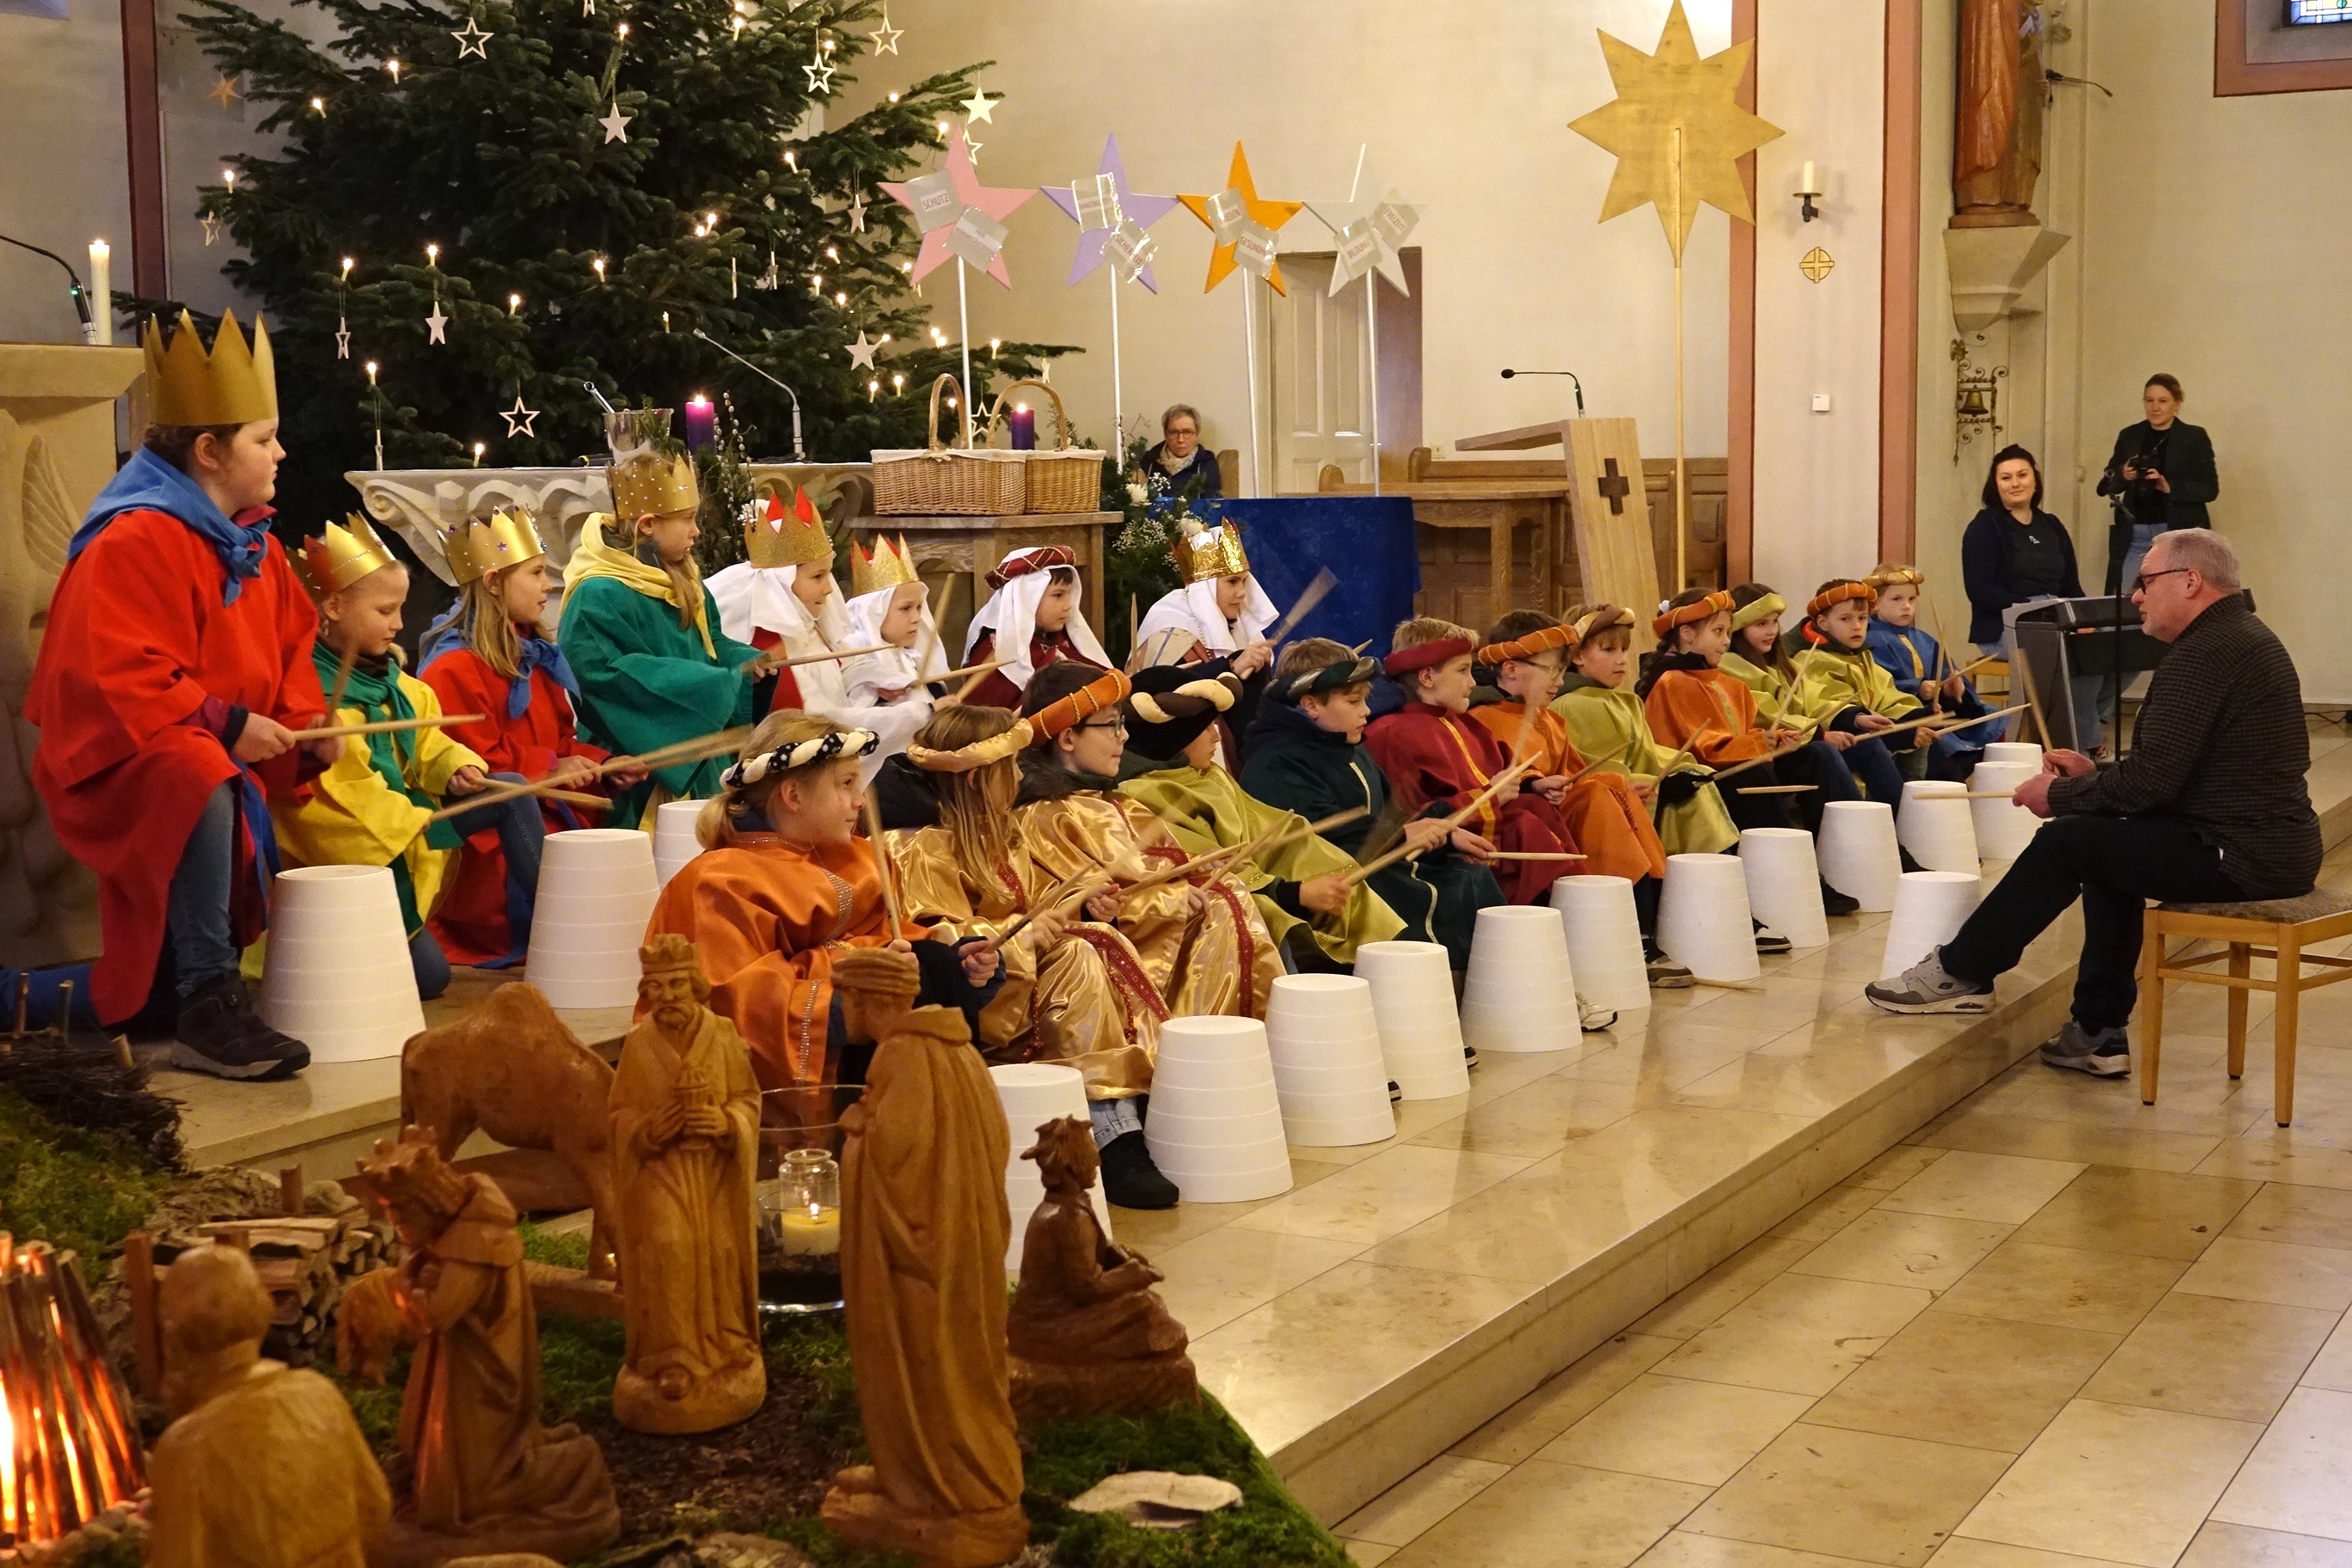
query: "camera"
2140, 499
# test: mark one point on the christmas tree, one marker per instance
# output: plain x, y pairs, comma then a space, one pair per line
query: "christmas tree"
492, 202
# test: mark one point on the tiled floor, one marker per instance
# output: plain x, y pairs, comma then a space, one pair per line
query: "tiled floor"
2054, 1329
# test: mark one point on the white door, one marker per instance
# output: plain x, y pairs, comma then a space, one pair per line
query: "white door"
1321, 378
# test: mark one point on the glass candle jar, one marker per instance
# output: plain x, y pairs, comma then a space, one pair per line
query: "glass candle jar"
800, 1233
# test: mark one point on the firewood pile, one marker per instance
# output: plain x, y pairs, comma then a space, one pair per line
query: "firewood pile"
306, 1262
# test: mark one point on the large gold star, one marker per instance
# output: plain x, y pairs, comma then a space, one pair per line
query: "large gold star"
1659, 94
1273, 215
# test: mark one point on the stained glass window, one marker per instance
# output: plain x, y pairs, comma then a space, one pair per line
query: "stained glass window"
2302, 12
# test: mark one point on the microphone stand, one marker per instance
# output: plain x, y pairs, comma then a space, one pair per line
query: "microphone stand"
1507, 374
80, 295
800, 453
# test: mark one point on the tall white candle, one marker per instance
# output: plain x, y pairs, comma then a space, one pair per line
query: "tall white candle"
101, 291
1807, 186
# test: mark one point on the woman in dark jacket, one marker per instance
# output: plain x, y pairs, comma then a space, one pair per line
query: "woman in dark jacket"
2013, 553
2162, 474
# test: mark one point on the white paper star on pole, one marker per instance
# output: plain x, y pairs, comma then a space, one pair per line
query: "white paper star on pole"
886, 37
1367, 234
473, 41
979, 107
519, 419
861, 352
616, 125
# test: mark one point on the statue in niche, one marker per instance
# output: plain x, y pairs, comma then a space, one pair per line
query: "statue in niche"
1088, 1334
1997, 134
923, 1233
685, 1131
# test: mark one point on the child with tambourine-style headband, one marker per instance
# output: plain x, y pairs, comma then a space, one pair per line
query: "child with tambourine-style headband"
1839, 675
1921, 665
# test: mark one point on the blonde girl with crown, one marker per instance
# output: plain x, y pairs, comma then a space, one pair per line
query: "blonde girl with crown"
489, 655
639, 628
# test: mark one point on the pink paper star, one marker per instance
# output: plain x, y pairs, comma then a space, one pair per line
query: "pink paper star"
997, 200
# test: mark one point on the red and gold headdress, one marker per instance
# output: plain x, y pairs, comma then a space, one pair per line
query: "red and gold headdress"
1203, 554
1021, 563
782, 536
342, 556
871, 570
507, 537
1542, 640
1422, 656
1837, 594
1669, 617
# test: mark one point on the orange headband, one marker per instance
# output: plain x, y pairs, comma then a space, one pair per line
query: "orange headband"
1542, 640
1080, 705
1829, 598
1716, 604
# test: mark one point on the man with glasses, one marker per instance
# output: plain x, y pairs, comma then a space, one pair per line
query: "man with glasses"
1179, 466
2209, 807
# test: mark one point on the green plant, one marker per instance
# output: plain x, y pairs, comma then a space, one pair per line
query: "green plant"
79, 1191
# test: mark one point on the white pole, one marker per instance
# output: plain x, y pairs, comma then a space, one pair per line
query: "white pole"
1249, 336
963, 330
1372, 337
1118, 397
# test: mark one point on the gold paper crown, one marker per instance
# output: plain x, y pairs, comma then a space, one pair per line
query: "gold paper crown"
882, 567
650, 476
787, 538
341, 557
478, 544
232, 384
1204, 554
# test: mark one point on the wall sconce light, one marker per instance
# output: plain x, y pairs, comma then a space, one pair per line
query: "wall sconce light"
1807, 191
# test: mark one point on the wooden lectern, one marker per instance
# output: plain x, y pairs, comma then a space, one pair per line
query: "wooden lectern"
56, 452
1607, 506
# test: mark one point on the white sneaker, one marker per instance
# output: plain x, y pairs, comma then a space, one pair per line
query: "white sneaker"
1592, 1020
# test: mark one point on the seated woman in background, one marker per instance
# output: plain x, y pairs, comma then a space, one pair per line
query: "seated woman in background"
2014, 554
1180, 467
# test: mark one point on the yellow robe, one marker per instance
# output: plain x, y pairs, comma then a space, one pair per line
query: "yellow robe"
1601, 719
353, 818
1206, 810
1778, 700
1838, 679
1086, 1001
1217, 961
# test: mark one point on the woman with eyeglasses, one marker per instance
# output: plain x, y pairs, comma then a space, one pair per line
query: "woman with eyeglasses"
2013, 555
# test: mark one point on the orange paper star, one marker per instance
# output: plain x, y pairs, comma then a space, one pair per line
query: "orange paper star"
1274, 214
1659, 94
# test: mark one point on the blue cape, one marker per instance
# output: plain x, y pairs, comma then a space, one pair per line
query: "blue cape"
447, 634
149, 483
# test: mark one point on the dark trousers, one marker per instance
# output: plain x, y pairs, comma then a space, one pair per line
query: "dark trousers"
202, 936
1817, 764
2115, 865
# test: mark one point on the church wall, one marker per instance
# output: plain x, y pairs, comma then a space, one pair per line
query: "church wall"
1466, 109
1820, 78
65, 180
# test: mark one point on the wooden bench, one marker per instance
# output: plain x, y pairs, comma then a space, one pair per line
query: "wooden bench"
2288, 927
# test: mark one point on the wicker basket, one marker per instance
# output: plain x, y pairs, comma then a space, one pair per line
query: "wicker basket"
942, 480
1068, 478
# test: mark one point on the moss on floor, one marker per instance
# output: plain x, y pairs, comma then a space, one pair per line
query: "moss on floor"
76, 1190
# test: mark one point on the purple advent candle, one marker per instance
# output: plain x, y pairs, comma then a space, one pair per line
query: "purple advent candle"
701, 422
1023, 424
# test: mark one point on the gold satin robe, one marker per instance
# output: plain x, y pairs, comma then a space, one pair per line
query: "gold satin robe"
1086, 1002
1216, 962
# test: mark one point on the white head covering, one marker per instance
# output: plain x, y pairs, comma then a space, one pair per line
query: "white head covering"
1012, 613
891, 670
761, 598
1184, 615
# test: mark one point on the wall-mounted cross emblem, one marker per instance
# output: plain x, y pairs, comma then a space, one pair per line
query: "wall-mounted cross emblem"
1615, 486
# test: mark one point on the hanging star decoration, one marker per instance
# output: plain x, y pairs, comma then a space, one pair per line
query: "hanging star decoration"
971, 150
861, 352
472, 40
1657, 96
436, 325
979, 107
951, 202
1243, 226
1111, 215
820, 76
211, 226
519, 419
886, 37
1366, 234
225, 91
856, 210
587, 8
616, 125
343, 338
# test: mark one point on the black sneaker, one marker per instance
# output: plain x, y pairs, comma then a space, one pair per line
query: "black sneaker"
219, 1034
1769, 942
1927, 988
1908, 863
1129, 1178
1469, 1057
1396, 1092
1836, 903
2102, 1053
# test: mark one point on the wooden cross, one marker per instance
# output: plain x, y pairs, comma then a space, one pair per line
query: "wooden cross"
1615, 486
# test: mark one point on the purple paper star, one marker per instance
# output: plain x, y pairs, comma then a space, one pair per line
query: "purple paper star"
1140, 210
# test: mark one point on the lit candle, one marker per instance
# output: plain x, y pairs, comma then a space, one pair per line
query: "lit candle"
480, 447
701, 422
812, 1232
102, 292
1023, 423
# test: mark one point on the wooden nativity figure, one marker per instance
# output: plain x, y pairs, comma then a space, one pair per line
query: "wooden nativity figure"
924, 1231
1088, 1334
684, 1114
263, 1467
477, 1472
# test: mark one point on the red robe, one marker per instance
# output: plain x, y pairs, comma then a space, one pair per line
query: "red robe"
1434, 756
471, 924
788, 690
996, 691
137, 639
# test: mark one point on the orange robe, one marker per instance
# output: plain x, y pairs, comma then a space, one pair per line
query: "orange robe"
767, 918
1684, 699
1610, 823
1435, 757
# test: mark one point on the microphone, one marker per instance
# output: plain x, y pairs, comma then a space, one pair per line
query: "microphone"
1570, 373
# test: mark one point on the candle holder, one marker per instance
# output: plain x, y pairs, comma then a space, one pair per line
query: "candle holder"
800, 1220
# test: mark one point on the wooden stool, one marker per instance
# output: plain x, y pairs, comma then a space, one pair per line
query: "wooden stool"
2288, 926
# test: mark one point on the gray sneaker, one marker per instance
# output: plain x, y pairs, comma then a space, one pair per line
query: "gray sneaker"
2103, 1053
1926, 987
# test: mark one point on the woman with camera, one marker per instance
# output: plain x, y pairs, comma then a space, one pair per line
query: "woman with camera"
2159, 477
